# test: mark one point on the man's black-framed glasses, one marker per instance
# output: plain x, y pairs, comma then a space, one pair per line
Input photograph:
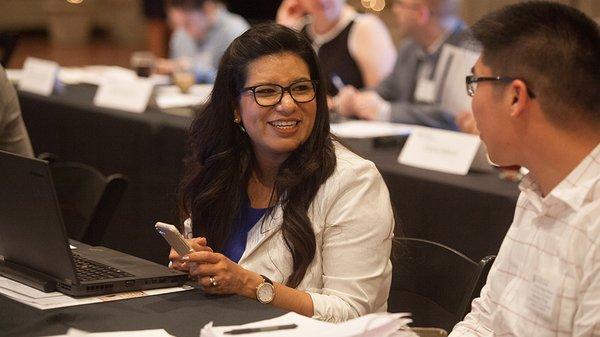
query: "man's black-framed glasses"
271, 94
472, 81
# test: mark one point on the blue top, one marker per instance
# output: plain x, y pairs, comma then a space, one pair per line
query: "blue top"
237, 241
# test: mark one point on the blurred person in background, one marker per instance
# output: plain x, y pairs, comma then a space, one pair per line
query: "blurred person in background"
13, 134
202, 30
408, 94
354, 49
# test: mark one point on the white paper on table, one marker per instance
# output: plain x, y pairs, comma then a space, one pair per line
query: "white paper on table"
439, 150
369, 129
138, 333
112, 72
38, 76
453, 66
41, 300
14, 75
380, 325
128, 95
71, 75
160, 79
96, 74
171, 96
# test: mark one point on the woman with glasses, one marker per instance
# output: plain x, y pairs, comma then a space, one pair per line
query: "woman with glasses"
278, 210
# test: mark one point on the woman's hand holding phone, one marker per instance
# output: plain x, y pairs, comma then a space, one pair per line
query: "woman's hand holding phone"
197, 245
180, 246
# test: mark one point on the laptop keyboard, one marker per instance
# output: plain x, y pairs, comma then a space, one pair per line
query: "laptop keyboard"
88, 270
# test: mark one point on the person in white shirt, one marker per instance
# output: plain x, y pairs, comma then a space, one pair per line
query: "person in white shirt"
536, 103
281, 212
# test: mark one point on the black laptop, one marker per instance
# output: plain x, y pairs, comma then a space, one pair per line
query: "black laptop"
35, 250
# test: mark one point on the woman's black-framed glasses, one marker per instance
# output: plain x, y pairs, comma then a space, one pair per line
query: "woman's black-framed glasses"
271, 94
472, 81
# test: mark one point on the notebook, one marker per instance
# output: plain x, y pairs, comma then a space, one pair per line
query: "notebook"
35, 249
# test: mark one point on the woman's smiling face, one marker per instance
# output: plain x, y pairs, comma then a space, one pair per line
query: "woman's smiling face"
276, 131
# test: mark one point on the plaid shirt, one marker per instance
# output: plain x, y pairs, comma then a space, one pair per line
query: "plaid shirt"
546, 278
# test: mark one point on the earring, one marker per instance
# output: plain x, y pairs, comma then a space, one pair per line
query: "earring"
238, 121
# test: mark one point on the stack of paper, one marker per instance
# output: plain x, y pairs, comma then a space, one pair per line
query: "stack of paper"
139, 333
373, 325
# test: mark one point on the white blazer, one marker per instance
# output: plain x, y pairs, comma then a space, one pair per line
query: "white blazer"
352, 218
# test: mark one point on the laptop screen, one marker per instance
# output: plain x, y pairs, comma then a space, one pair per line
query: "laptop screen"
32, 233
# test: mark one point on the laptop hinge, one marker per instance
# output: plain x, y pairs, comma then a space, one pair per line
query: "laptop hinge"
27, 276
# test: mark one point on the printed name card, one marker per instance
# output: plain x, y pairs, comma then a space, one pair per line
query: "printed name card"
439, 150
425, 91
39, 76
128, 95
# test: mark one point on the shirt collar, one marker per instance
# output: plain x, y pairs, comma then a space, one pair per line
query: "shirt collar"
573, 190
435, 47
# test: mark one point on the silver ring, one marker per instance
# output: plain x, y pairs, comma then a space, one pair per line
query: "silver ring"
213, 282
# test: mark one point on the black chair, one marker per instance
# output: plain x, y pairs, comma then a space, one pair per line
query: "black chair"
434, 282
88, 199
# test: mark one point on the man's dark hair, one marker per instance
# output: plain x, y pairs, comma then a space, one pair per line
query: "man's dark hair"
554, 48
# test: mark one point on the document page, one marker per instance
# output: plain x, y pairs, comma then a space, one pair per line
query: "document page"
379, 324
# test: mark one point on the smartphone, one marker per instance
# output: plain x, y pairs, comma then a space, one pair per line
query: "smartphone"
174, 238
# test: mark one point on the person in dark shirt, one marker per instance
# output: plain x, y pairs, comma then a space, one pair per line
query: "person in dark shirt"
354, 49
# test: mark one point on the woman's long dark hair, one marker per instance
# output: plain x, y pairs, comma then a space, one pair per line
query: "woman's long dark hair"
221, 159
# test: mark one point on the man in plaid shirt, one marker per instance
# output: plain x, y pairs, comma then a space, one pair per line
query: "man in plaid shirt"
536, 101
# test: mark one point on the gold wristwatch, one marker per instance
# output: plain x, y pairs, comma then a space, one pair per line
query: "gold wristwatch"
265, 292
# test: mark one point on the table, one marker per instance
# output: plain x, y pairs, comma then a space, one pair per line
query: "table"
180, 314
470, 213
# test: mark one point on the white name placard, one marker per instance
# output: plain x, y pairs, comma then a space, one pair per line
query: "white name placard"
439, 150
132, 96
39, 76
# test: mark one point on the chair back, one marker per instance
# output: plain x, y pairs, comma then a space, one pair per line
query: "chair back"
434, 282
87, 199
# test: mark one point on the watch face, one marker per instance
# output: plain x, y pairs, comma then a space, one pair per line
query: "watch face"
265, 292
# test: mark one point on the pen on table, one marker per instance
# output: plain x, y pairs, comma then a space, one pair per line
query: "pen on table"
261, 329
